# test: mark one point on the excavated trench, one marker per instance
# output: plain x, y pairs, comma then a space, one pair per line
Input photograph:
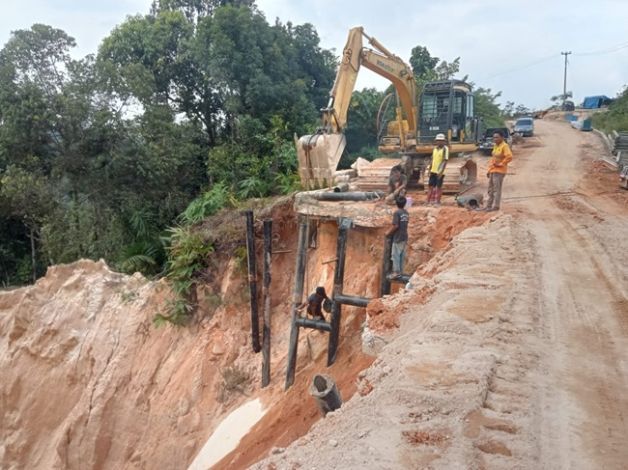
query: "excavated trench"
292, 413
90, 382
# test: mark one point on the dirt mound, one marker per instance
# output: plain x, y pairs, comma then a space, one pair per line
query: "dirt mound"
440, 392
88, 382
91, 382
431, 232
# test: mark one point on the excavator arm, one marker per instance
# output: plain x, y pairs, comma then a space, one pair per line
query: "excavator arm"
320, 153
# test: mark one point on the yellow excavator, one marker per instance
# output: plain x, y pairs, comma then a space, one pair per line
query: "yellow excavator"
445, 107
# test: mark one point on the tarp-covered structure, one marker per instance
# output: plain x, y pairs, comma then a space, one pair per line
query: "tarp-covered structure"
593, 102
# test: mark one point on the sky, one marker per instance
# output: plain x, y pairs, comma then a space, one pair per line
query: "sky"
512, 49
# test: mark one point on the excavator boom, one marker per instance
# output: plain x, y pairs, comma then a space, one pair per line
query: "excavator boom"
320, 153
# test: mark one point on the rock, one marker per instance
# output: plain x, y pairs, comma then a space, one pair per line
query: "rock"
277, 450
218, 348
333, 443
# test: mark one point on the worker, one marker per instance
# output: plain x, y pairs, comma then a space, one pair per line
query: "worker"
314, 303
497, 169
440, 155
399, 234
397, 182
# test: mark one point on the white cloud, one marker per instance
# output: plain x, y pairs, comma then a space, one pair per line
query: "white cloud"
88, 21
490, 36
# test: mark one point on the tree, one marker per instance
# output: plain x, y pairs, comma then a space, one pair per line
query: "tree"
487, 109
422, 62
362, 128
446, 70
99, 155
509, 109
562, 97
522, 110
28, 198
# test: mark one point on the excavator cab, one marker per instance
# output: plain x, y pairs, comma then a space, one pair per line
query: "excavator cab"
447, 107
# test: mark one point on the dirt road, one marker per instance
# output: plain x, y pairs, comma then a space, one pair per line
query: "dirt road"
520, 358
580, 241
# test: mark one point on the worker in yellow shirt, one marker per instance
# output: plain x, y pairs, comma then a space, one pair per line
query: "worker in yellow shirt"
497, 169
440, 155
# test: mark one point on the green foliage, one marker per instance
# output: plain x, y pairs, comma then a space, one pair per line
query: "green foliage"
362, 125
287, 183
422, 62
207, 204
487, 108
562, 97
187, 257
142, 256
616, 118
99, 155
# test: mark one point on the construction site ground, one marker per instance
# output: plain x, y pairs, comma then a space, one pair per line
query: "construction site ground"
519, 358
508, 349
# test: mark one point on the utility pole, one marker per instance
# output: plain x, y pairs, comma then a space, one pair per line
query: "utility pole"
566, 53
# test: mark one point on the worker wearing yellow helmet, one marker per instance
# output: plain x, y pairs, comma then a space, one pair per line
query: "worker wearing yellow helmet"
440, 155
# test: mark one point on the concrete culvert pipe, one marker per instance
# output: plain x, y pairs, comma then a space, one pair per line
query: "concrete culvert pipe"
326, 394
341, 188
471, 201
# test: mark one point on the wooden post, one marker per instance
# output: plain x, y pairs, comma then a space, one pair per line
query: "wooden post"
384, 288
250, 251
268, 239
297, 298
344, 225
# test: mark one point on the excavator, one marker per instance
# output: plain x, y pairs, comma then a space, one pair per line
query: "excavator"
444, 107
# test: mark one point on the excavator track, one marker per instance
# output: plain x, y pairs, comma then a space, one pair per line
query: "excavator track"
460, 174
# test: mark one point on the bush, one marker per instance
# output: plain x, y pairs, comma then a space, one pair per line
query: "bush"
616, 118
187, 256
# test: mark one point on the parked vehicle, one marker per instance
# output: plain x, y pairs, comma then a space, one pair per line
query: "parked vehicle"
486, 142
525, 126
568, 106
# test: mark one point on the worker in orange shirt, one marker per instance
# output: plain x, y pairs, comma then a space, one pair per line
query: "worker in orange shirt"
497, 169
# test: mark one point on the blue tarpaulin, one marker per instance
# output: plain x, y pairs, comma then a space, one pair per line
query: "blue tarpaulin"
592, 102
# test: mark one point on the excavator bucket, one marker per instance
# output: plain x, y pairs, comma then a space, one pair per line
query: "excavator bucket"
460, 174
318, 156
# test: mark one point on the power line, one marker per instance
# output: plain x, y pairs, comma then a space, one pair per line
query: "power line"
609, 50
528, 65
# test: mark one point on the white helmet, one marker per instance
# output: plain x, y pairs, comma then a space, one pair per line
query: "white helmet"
440, 137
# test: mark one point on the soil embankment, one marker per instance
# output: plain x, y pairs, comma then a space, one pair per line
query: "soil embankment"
518, 358
88, 381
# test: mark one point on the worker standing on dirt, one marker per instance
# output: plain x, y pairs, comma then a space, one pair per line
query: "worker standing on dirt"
497, 169
397, 182
440, 155
314, 303
399, 233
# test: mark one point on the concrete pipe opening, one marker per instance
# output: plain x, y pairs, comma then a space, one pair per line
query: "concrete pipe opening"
470, 201
326, 394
